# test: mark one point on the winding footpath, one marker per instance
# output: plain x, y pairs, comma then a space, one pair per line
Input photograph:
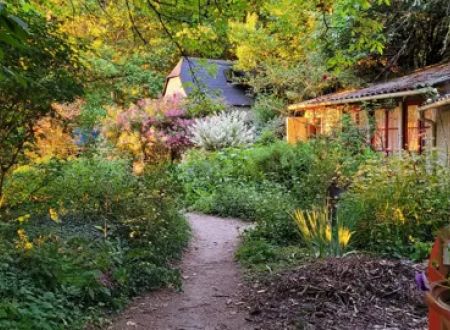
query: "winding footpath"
211, 282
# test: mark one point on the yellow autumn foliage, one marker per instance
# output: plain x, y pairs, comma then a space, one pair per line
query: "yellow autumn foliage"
23, 243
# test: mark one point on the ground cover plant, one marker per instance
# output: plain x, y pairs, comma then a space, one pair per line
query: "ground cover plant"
85, 236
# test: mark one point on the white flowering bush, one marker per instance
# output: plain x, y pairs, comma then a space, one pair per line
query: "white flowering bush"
226, 129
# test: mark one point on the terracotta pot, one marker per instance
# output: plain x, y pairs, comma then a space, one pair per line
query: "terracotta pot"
438, 301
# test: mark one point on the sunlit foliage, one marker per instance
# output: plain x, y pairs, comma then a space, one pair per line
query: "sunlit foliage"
150, 131
44, 68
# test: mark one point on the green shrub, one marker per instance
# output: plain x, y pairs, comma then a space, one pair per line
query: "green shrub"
256, 252
259, 254
266, 183
268, 114
83, 186
272, 131
267, 204
201, 173
396, 203
267, 108
305, 170
85, 241
244, 201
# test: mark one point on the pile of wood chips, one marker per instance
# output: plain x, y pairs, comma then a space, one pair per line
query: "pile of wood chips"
354, 292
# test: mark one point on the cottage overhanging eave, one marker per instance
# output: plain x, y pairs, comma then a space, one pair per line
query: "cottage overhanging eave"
306, 106
436, 104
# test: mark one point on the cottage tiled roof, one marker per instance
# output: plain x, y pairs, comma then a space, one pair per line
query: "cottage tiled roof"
421, 80
210, 76
436, 102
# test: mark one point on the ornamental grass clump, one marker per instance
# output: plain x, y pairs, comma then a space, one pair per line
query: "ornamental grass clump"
224, 130
319, 236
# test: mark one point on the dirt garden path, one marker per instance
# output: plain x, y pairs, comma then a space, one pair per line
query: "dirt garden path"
211, 283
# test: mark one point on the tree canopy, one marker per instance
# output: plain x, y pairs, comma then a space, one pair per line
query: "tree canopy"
294, 49
40, 68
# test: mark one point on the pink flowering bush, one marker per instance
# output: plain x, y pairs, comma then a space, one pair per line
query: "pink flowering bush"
151, 131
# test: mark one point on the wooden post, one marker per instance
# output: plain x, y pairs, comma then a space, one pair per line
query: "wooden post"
421, 131
404, 126
386, 131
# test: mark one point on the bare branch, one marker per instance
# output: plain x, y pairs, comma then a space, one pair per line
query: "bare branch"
133, 24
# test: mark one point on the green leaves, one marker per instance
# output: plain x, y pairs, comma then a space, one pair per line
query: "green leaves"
37, 68
72, 273
397, 204
13, 32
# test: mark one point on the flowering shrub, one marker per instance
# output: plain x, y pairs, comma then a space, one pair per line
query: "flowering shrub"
226, 129
150, 130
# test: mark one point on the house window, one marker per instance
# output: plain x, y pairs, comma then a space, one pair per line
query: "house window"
386, 136
416, 132
378, 139
412, 142
323, 121
427, 134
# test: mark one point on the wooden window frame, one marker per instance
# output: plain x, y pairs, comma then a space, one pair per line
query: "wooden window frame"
421, 127
405, 118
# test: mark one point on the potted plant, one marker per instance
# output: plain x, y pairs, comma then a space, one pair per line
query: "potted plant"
436, 283
438, 301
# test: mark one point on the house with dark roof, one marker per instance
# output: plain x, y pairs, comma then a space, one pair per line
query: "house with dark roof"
407, 113
213, 78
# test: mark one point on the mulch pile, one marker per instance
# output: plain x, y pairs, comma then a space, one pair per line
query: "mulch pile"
355, 292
